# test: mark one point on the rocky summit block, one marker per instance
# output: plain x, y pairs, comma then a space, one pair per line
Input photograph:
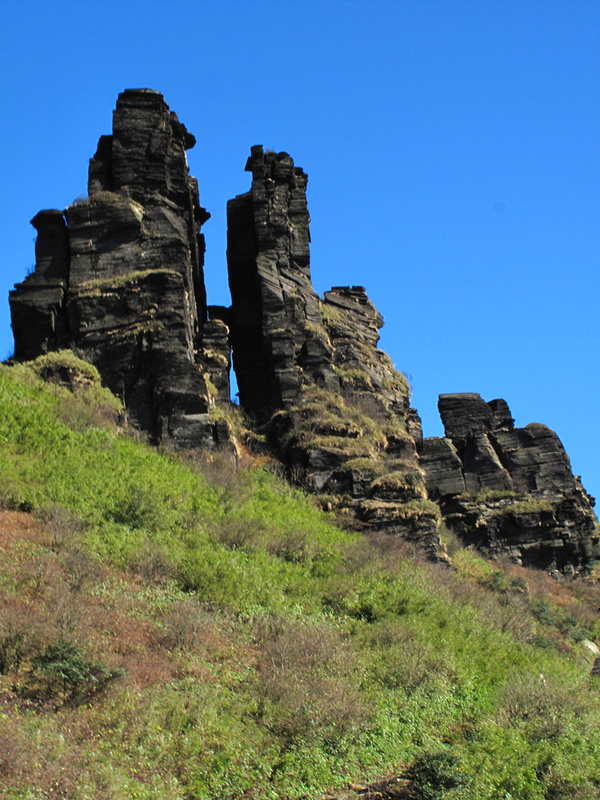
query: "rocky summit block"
509, 491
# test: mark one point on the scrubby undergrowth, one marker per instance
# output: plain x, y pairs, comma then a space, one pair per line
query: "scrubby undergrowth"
172, 627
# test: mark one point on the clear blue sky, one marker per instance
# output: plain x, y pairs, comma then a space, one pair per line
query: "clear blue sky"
452, 148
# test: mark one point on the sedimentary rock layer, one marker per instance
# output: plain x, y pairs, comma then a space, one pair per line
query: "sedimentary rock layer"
119, 276
510, 491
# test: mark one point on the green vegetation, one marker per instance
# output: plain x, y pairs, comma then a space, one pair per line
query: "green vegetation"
173, 627
490, 495
400, 481
100, 286
314, 331
333, 314
325, 420
533, 505
355, 378
61, 673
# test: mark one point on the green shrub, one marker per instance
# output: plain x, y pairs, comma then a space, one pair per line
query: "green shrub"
434, 772
61, 673
17, 637
533, 505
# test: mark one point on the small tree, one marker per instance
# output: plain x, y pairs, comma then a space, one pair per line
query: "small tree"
62, 673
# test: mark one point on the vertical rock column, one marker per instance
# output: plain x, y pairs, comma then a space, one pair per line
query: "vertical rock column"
137, 294
275, 315
37, 304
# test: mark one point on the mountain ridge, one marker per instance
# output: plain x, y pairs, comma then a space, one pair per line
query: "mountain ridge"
119, 279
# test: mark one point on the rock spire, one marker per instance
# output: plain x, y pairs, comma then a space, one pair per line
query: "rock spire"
119, 277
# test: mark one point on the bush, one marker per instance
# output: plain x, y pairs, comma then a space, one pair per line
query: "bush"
17, 636
63, 526
152, 563
61, 673
185, 625
431, 773
307, 686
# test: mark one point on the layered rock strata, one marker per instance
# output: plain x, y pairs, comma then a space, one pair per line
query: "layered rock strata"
119, 278
336, 410
509, 491
275, 312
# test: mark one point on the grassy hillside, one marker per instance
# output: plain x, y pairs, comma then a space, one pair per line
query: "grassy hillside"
171, 627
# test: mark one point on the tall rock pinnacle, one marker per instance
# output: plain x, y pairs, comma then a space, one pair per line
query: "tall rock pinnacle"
274, 305
119, 275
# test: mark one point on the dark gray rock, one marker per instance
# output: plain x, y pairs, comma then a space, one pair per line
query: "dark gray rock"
551, 533
464, 415
37, 304
535, 458
509, 491
216, 352
443, 468
122, 281
337, 412
275, 314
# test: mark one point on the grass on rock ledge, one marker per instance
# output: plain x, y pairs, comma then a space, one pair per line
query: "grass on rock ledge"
171, 627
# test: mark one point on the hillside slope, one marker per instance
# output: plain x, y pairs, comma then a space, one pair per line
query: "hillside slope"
173, 627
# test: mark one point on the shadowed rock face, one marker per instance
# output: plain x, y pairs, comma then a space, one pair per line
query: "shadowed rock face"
119, 276
275, 310
508, 490
37, 304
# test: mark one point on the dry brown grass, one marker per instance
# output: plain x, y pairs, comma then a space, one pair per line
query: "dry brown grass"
307, 683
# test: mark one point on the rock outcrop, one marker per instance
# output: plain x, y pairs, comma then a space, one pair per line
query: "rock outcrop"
119, 279
336, 411
275, 312
509, 491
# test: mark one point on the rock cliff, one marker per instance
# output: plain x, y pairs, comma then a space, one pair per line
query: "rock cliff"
119, 279
334, 408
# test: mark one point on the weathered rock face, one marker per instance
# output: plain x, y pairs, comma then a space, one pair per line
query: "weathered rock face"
119, 277
275, 312
337, 411
37, 304
509, 491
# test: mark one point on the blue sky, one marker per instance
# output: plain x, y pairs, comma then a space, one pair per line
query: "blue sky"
452, 148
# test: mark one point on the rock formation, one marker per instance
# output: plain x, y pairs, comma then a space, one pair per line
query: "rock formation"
119, 279
509, 491
274, 307
336, 411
